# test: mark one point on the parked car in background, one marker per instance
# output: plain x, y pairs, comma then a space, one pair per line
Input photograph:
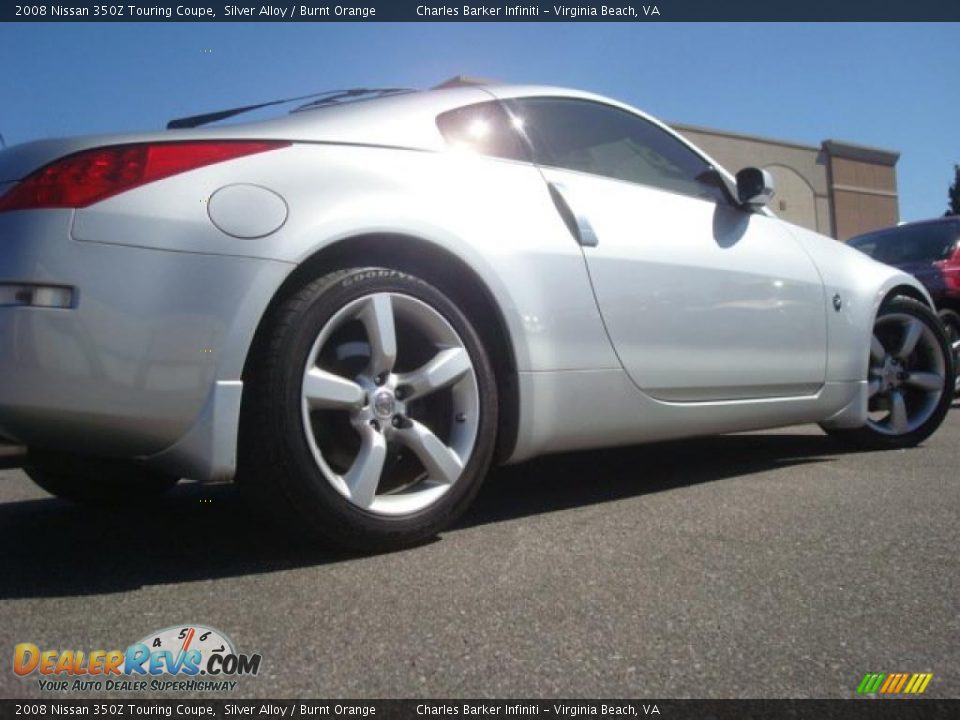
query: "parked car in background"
930, 251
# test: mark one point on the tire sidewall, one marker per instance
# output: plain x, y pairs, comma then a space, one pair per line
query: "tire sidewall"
308, 489
951, 319
932, 321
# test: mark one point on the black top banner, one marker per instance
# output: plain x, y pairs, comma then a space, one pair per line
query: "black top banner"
401, 11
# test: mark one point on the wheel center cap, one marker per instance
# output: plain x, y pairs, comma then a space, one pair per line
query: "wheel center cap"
890, 376
384, 404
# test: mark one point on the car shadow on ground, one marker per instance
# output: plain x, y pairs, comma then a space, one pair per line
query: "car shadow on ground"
52, 548
569, 480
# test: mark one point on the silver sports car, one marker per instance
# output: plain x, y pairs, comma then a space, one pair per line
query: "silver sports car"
354, 308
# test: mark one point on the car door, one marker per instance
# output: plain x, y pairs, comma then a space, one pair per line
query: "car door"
702, 300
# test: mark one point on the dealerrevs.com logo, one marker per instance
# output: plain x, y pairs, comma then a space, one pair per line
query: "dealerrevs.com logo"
179, 658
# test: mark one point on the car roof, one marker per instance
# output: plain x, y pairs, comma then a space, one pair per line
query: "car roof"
406, 120
403, 120
907, 227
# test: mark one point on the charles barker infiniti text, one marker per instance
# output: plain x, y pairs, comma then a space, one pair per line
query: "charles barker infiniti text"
571, 12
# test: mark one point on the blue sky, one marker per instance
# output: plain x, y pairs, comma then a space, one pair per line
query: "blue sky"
889, 85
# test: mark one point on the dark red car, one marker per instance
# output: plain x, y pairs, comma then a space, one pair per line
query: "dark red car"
930, 251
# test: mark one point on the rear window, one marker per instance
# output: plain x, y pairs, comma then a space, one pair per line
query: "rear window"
484, 128
921, 243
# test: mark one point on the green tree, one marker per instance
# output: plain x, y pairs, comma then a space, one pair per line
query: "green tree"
954, 193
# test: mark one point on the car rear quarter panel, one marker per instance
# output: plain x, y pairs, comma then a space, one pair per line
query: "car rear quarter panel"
128, 369
495, 215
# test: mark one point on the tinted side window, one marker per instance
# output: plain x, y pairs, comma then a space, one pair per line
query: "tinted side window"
484, 128
603, 140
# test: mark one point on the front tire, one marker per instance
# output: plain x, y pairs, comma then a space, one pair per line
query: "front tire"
951, 324
910, 378
372, 411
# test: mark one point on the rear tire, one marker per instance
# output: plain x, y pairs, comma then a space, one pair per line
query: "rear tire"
910, 376
370, 413
96, 482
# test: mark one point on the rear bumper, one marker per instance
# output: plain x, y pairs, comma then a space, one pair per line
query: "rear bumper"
133, 368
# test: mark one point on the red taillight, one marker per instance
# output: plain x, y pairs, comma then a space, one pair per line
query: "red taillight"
950, 271
87, 177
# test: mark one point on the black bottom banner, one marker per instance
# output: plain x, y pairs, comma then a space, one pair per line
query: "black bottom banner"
872, 708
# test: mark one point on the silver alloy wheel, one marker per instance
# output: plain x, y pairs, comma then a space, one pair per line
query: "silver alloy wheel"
907, 382
383, 402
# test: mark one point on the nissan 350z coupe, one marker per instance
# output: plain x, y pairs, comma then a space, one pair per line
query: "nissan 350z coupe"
356, 307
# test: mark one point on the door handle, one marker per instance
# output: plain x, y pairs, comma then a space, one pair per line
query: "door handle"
576, 222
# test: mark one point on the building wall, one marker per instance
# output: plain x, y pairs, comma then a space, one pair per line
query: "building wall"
864, 188
796, 200
838, 189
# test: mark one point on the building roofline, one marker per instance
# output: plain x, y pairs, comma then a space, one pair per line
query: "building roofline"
465, 81
742, 136
866, 153
835, 148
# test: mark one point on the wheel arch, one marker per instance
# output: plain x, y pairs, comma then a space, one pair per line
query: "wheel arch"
907, 291
447, 272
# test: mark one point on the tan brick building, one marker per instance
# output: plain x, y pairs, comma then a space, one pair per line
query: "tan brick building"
837, 188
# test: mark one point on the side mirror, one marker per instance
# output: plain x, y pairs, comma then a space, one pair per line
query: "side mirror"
754, 187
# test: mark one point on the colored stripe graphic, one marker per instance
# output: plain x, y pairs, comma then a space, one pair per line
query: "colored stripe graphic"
900, 683
871, 682
918, 683
890, 682
894, 683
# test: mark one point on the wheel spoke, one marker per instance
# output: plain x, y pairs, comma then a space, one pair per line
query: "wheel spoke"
377, 318
873, 387
898, 412
323, 389
369, 387
877, 351
364, 475
924, 381
441, 462
910, 337
446, 368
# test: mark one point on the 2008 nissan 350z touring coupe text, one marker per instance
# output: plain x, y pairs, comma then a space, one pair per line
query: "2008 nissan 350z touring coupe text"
355, 307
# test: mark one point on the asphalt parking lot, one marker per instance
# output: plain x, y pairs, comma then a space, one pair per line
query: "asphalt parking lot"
761, 565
